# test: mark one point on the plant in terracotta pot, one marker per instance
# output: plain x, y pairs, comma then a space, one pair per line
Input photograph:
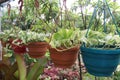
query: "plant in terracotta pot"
64, 47
7, 38
35, 42
16, 44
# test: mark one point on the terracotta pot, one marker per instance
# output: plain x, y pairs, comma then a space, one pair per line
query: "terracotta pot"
64, 59
37, 49
18, 49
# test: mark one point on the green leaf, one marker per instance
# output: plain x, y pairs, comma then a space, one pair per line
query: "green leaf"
57, 36
37, 69
65, 38
8, 55
21, 66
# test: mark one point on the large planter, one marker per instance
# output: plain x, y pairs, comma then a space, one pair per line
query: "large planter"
100, 62
37, 49
65, 58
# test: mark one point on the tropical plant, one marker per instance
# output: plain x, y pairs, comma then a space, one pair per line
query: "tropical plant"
7, 34
65, 38
64, 47
30, 36
97, 39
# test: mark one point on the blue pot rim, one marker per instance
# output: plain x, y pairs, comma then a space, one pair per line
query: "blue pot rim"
99, 51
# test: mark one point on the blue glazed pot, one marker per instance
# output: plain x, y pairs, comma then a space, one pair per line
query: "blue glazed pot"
100, 62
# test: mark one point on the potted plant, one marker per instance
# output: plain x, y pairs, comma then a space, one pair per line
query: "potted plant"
35, 43
9, 38
64, 47
100, 53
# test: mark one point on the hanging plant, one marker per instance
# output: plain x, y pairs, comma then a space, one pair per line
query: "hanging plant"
64, 47
36, 43
101, 51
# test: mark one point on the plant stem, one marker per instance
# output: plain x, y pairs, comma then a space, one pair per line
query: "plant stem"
21, 66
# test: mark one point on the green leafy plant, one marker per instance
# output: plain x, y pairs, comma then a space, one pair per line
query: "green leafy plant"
96, 39
7, 34
27, 74
66, 38
20, 70
30, 36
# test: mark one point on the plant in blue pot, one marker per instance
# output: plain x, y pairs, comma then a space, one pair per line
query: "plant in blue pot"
100, 53
101, 49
